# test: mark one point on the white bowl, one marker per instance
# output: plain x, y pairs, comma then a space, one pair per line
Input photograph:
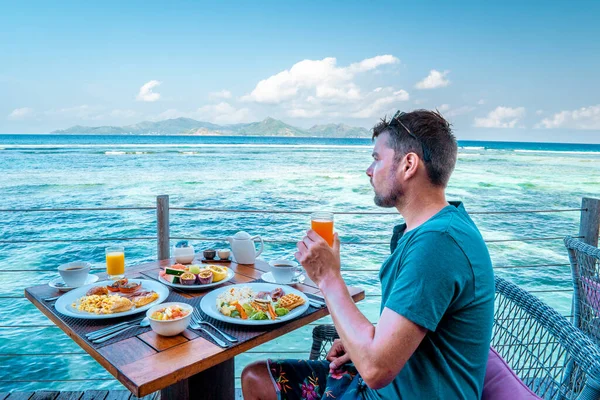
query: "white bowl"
183, 255
170, 327
223, 254
74, 273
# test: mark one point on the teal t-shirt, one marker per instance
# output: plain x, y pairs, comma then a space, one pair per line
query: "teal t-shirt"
440, 277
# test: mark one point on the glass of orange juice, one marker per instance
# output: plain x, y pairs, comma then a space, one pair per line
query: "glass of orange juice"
322, 223
115, 262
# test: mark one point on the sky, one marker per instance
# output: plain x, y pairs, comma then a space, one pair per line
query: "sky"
506, 71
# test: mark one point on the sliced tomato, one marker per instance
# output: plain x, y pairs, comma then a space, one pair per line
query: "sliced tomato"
130, 287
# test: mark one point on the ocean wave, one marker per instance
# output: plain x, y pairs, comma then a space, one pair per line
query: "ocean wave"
472, 148
556, 151
190, 145
114, 153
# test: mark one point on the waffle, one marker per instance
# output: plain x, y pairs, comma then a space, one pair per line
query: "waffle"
291, 301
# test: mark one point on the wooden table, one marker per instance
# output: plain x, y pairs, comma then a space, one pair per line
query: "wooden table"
183, 366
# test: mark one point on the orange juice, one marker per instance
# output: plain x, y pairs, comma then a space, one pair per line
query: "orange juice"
115, 263
322, 223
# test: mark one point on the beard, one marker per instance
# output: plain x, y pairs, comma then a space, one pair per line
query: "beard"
393, 197
387, 201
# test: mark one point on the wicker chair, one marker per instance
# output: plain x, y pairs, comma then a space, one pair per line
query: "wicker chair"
535, 340
585, 267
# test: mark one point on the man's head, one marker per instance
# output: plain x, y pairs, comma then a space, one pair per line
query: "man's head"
416, 147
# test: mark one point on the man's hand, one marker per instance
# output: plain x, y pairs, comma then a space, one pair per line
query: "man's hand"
337, 355
318, 259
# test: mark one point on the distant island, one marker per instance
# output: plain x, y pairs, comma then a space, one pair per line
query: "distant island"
188, 126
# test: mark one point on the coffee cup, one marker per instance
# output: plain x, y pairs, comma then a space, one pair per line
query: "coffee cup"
285, 271
74, 273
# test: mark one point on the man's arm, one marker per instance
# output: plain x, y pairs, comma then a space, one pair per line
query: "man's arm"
379, 353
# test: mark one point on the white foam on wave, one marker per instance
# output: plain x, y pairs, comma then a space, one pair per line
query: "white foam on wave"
192, 145
114, 153
556, 151
472, 148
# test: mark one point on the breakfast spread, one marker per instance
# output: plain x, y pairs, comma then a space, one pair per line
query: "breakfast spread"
193, 274
120, 296
244, 303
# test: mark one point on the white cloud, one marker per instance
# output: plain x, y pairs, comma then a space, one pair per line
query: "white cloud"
539, 112
382, 105
220, 113
435, 79
21, 113
223, 113
221, 94
146, 93
501, 117
481, 102
321, 79
78, 112
459, 111
369, 64
118, 113
449, 112
303, 113
583, 118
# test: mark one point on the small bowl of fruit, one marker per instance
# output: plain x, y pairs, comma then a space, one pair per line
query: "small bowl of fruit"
170, 319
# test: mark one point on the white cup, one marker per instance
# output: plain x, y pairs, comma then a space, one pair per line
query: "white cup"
285, 271
74, 273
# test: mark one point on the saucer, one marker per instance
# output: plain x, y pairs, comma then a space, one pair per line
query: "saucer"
58, 283
268, 277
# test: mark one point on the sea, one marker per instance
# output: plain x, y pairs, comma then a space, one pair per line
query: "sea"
253, 173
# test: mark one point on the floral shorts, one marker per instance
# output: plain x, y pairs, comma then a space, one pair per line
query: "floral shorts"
310, 380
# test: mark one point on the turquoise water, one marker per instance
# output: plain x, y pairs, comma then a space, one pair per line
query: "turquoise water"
44, 171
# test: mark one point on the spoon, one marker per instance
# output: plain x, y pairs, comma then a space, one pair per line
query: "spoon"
145, 322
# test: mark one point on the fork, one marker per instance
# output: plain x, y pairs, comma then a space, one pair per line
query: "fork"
199, 320
196, 326
104, 331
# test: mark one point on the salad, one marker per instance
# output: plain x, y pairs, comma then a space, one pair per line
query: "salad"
244, 303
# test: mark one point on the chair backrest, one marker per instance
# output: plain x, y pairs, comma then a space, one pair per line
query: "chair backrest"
550, 355
323, 337
585, 267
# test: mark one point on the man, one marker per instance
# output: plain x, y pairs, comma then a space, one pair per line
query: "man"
433, 334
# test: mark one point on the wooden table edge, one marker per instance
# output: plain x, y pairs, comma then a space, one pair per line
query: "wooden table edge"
114, 371
153, 385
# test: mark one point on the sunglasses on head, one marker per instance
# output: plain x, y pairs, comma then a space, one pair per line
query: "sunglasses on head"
395, 123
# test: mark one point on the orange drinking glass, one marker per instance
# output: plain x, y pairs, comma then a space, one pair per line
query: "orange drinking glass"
322, 223
115, 262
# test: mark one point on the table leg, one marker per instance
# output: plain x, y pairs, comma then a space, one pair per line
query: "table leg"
217, 382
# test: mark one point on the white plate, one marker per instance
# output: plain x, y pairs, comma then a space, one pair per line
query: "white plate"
59, 284
268, 277
64, 303
208, 304
230, 275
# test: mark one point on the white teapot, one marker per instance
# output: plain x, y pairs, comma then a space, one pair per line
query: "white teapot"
242, 246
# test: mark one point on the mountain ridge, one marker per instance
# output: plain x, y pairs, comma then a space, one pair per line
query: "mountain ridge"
188, 126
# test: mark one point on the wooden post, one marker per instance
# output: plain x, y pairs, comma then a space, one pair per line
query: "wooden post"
589, 224
162, 226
